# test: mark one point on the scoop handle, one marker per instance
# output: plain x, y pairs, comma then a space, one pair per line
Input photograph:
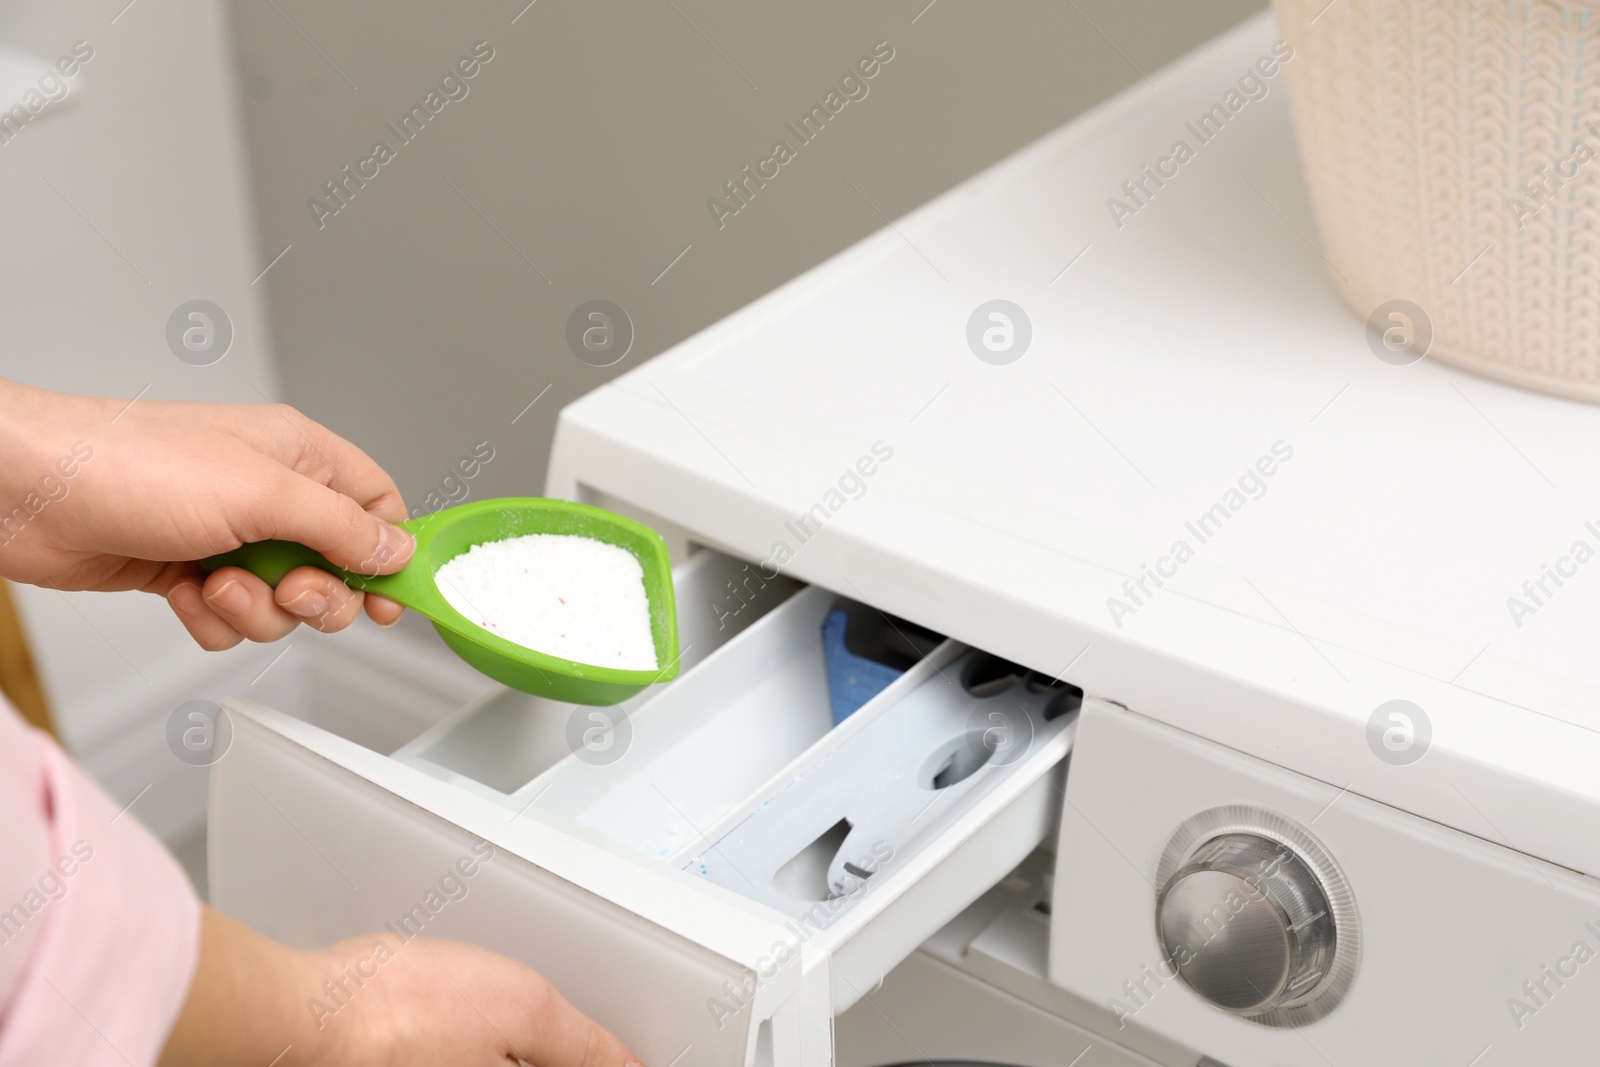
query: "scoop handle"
271, 561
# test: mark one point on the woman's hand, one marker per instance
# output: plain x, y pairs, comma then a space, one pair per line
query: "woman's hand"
435, 1002
406, 1004
104, 494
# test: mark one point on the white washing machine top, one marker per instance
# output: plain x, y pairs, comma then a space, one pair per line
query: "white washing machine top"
1197, 491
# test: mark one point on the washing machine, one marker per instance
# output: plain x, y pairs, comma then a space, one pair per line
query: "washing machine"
1314, 799
978, 992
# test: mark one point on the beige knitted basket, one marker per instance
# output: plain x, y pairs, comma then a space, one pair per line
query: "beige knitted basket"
1450, 147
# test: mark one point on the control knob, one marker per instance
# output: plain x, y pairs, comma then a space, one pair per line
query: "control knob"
1247, 925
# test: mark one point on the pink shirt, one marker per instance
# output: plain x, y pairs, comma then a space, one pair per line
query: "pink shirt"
99, 927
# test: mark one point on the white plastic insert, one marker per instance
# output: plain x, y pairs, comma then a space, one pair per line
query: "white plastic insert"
698, 749
497, 745
737, 774
857, 806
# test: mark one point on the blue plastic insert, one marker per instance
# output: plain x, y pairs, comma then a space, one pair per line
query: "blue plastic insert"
852, 680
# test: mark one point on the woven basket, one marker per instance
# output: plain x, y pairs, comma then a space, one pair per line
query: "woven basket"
1451, 150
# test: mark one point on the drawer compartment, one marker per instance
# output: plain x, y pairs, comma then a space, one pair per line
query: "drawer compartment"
797, 814
495, 746
689, 754
738, 774
857, 806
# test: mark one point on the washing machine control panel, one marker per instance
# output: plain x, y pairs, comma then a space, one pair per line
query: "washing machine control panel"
1265, 919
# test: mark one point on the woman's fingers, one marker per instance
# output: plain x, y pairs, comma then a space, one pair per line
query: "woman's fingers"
382, 610
311, 486
183, 586
311, 449
295, 508
210, 632
231, 604
539, 1023
561, 1036
318, 599
245, 603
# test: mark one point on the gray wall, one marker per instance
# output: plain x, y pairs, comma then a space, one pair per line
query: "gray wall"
418, 323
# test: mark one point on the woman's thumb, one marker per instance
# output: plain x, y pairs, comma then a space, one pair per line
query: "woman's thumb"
335, 525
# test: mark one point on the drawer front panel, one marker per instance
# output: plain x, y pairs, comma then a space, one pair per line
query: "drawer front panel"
309, 853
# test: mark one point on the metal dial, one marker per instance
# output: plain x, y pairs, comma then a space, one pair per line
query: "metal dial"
1255, 918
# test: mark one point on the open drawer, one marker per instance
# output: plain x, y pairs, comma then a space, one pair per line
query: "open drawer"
713, 870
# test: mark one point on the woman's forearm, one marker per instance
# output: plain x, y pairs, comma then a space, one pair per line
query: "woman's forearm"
246, 1004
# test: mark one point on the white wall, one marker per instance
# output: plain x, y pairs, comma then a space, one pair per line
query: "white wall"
146, 148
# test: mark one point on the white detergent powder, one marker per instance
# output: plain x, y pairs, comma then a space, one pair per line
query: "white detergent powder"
572, 597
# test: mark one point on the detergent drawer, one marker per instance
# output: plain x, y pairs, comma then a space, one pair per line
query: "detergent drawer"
712, 870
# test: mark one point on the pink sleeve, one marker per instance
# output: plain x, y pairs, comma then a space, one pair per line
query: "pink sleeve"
99, 927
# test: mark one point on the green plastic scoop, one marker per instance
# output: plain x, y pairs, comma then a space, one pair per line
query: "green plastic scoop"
448, 533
